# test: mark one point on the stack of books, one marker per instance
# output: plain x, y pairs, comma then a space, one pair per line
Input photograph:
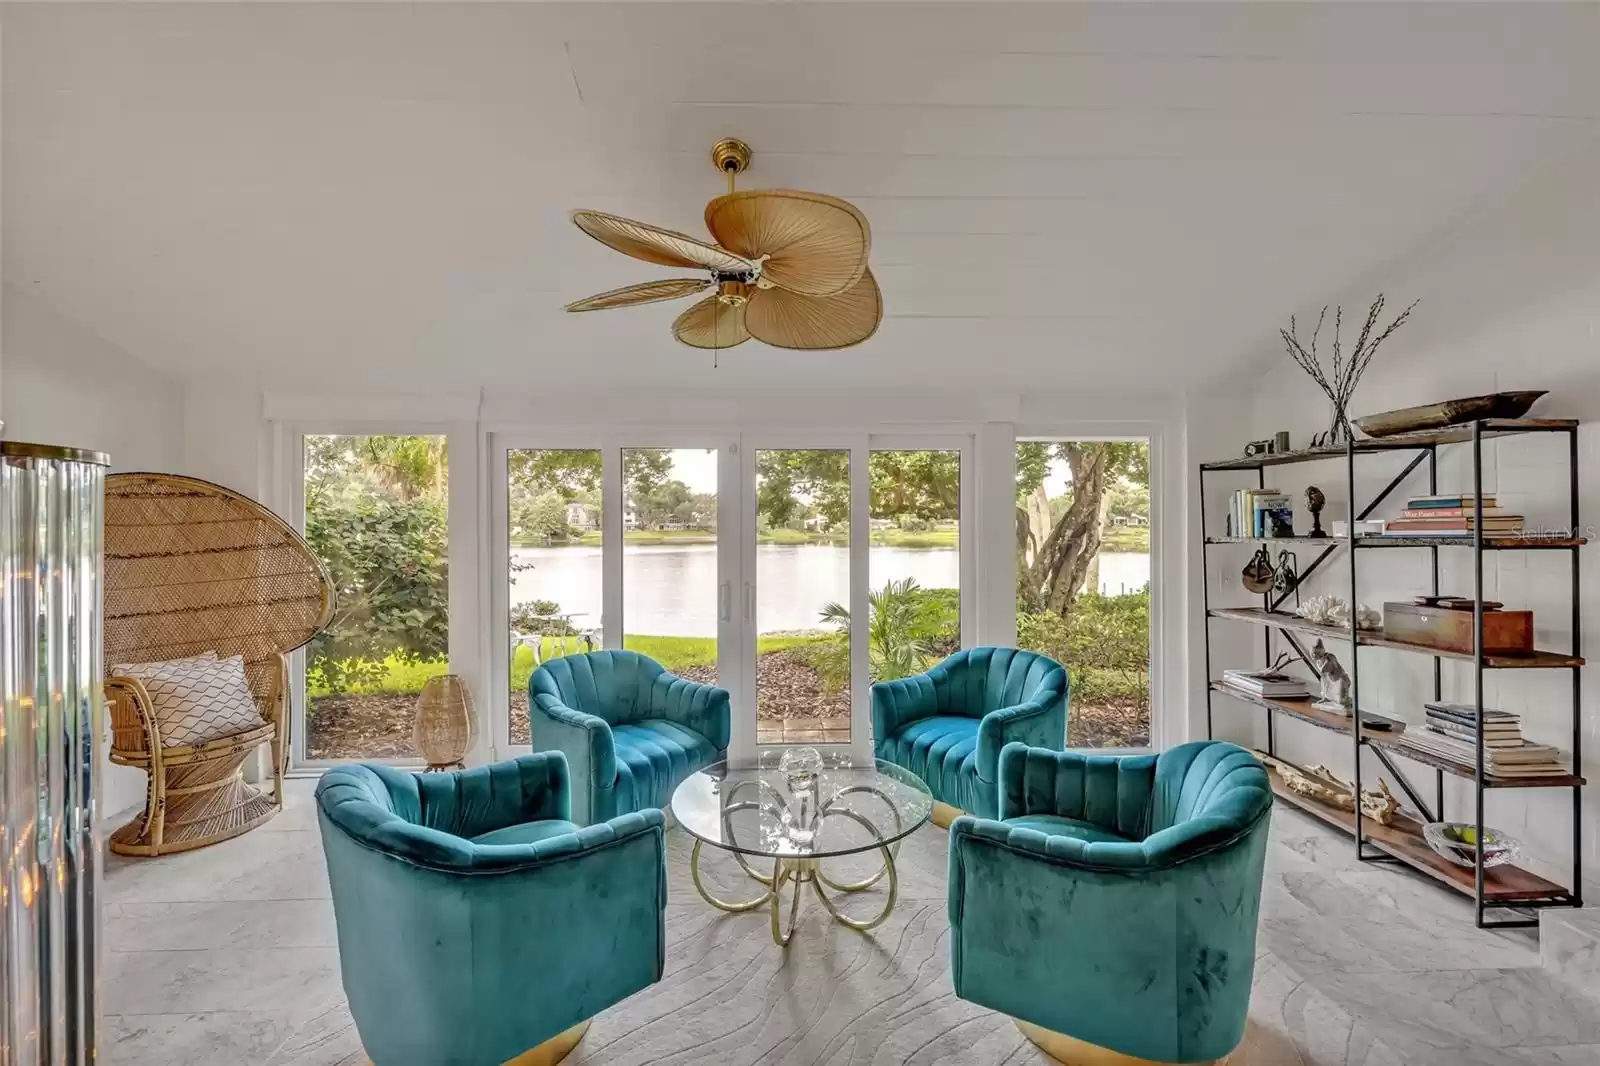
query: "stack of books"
1452, 516
1260, 513
1451, 733
1273, 684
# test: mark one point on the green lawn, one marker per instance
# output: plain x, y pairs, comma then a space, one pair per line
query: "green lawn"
1126, 539
675, 653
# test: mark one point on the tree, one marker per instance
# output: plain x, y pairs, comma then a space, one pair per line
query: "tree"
1054, 553
669, 502
924, 483
573, 472
542, 518
339, 468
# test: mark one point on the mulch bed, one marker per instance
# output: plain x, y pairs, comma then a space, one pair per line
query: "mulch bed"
379, 727
361, 727
1123, 724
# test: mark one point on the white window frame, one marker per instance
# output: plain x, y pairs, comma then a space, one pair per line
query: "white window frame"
460, 546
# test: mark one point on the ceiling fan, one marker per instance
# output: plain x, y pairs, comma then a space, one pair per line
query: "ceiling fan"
789, 267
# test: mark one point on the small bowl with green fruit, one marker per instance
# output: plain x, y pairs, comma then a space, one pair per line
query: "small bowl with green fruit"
1458, 842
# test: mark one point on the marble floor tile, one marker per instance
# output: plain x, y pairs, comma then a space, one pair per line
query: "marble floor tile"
207, 924
1571, 1055
1461, 1010
195, 1039
283, 865
229, 955
293, 981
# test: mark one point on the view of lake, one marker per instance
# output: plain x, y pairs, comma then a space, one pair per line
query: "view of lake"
671, 589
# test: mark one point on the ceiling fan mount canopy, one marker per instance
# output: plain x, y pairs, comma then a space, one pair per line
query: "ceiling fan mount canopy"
789, 267
731, 156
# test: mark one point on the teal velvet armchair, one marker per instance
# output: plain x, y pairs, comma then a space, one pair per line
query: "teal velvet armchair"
948, 725
631, 730
1114, 902
475, 921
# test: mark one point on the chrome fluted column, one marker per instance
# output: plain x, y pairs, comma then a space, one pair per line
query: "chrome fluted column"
50, 715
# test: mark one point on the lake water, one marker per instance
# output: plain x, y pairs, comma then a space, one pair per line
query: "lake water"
671, 590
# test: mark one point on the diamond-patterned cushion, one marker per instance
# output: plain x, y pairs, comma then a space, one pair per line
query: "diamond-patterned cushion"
197, 700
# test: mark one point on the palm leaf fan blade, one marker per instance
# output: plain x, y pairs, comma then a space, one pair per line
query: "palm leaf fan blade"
647, 293
653, 244
815, 245
712, 324
789, 320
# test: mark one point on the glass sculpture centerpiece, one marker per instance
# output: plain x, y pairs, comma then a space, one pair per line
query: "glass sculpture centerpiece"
802, 773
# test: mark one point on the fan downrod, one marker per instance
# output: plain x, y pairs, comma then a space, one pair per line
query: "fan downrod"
731, 156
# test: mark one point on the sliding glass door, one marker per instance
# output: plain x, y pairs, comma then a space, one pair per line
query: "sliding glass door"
742, 561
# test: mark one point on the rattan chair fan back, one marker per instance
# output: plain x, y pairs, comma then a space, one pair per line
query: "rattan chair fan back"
192, 567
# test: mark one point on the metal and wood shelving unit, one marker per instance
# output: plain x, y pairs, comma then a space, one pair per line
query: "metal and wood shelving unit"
1506, 889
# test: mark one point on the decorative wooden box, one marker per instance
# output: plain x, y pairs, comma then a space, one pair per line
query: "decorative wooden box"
1450, 629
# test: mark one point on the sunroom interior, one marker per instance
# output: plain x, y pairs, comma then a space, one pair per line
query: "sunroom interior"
321, 256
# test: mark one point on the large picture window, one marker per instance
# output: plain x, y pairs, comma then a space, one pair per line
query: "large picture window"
1083, 587
376, 515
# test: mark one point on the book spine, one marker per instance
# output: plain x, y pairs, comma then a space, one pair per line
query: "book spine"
1441, 513
1448, 501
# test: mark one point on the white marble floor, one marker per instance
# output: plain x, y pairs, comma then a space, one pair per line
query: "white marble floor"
228, 955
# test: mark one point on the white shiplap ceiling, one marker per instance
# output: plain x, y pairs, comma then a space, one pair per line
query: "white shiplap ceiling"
1104, 196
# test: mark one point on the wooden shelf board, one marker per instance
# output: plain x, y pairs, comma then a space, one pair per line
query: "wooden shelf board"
1533, 543
1394, 740
1375, 639
1386, 541
1494, 427
1330, 541
1304, 711
1403, 840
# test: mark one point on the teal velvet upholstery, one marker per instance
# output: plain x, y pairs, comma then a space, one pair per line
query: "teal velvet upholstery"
475, 920
948, 725
630, 729
1115, 899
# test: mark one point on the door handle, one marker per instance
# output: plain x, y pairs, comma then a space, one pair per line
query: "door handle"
749, 602
725, 601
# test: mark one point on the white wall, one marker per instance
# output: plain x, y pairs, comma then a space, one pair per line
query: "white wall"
1510, 301
65, 385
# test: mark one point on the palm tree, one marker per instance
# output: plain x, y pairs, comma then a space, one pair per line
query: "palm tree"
894, 648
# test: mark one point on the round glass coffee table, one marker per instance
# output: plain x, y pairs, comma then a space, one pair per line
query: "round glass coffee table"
793, 811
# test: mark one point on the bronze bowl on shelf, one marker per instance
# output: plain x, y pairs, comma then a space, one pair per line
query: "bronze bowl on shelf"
1449, 413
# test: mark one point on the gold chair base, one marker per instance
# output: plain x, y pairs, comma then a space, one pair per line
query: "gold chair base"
1070, 1051
943, 814
548, 1053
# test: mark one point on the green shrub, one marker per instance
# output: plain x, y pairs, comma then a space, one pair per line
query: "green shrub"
390, 574
1104, 641
909, 628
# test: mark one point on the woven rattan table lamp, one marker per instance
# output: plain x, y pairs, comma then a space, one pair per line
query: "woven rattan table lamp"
444, 726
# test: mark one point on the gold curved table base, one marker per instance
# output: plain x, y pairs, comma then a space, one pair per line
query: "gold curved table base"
943, 814
1070, 1051
548, 1053
797, 872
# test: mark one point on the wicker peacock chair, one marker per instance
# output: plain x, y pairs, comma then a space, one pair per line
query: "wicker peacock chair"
191, 568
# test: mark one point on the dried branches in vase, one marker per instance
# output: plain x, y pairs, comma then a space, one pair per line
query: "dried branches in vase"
1339, 381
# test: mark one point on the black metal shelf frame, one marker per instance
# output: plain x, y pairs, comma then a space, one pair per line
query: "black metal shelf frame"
1426, 446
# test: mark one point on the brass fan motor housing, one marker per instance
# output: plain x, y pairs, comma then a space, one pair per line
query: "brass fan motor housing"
734, 293
731, 156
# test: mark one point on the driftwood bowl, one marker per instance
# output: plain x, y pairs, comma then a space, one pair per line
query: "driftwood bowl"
1449, 413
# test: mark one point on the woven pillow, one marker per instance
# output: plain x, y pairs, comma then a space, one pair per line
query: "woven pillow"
197, 700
